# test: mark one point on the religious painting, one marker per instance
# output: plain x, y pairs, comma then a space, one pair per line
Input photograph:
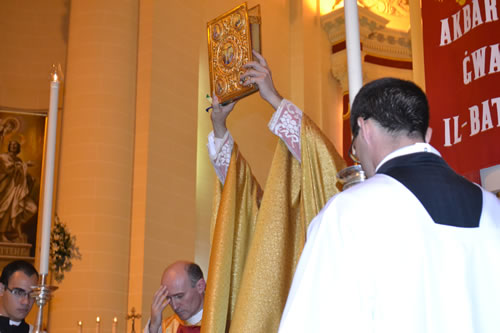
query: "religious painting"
220, 87
216, 31
238, 21
22, 138
228, 53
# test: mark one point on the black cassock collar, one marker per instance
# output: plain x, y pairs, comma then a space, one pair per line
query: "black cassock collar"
449, 198
6, 327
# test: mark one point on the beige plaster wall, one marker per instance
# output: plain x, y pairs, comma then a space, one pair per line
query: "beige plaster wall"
96, 162
164, 224
317, 92
33, 36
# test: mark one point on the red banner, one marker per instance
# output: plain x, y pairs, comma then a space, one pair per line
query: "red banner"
462, 77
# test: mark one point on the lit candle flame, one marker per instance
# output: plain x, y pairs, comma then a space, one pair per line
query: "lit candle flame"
98, 320
53, 74
115, 319
80, 323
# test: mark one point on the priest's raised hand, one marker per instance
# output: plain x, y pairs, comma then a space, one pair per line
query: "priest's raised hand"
259, 73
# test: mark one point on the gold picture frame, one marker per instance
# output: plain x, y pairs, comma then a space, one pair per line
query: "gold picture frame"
22, 151
231, 38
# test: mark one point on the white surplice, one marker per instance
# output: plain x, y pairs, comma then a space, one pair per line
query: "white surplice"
375, 261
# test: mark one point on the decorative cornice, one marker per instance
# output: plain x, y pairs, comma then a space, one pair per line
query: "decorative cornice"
397, 8
375, 37
388, 8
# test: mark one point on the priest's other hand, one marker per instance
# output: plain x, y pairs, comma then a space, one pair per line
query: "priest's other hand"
258, 72
219, 115
160, 302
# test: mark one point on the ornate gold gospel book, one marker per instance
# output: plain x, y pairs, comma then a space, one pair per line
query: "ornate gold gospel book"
231, 38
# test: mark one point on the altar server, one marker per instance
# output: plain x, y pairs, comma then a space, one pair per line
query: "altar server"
415, 248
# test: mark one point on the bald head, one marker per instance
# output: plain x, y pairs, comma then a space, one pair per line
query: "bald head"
192, 270
186, 288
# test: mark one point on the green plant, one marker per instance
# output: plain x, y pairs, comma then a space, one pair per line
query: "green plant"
62, 250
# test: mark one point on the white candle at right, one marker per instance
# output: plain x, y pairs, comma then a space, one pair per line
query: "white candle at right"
49, 172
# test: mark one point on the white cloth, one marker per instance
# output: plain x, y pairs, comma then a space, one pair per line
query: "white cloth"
195, 319
286, 123
15, 323
374, 261
219, 152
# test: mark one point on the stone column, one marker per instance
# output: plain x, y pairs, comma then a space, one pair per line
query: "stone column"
164, 187
96, 162
417, 43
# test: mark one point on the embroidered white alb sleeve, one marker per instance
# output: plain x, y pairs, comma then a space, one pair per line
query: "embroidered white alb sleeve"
286, 124
219, 151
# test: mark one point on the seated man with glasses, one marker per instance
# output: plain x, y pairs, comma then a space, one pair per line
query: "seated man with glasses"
15, 296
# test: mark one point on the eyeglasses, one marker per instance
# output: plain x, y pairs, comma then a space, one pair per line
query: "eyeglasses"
352, 152
19, 293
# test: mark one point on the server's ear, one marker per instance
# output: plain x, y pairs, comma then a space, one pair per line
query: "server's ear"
428, 135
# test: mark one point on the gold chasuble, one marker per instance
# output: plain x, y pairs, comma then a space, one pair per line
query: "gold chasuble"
233, 222
295, 193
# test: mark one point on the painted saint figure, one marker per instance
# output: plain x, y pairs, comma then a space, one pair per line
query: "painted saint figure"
8, 126
227, 54
16, 205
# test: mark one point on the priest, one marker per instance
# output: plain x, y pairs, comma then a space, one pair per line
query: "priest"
258, 235
183, 288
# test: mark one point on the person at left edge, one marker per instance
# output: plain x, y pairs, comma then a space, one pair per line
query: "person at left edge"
15, 296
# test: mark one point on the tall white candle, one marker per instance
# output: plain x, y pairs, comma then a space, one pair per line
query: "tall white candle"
49, 172
353, 48
97, 325
115, 323
80, 327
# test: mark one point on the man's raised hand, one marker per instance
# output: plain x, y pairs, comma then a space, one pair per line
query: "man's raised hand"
258, 72
219, 115
160, 302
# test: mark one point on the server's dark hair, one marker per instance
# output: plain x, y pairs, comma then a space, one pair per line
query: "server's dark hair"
15, 266
397, 105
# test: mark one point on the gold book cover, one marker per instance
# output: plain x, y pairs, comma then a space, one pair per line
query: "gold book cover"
231, 38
